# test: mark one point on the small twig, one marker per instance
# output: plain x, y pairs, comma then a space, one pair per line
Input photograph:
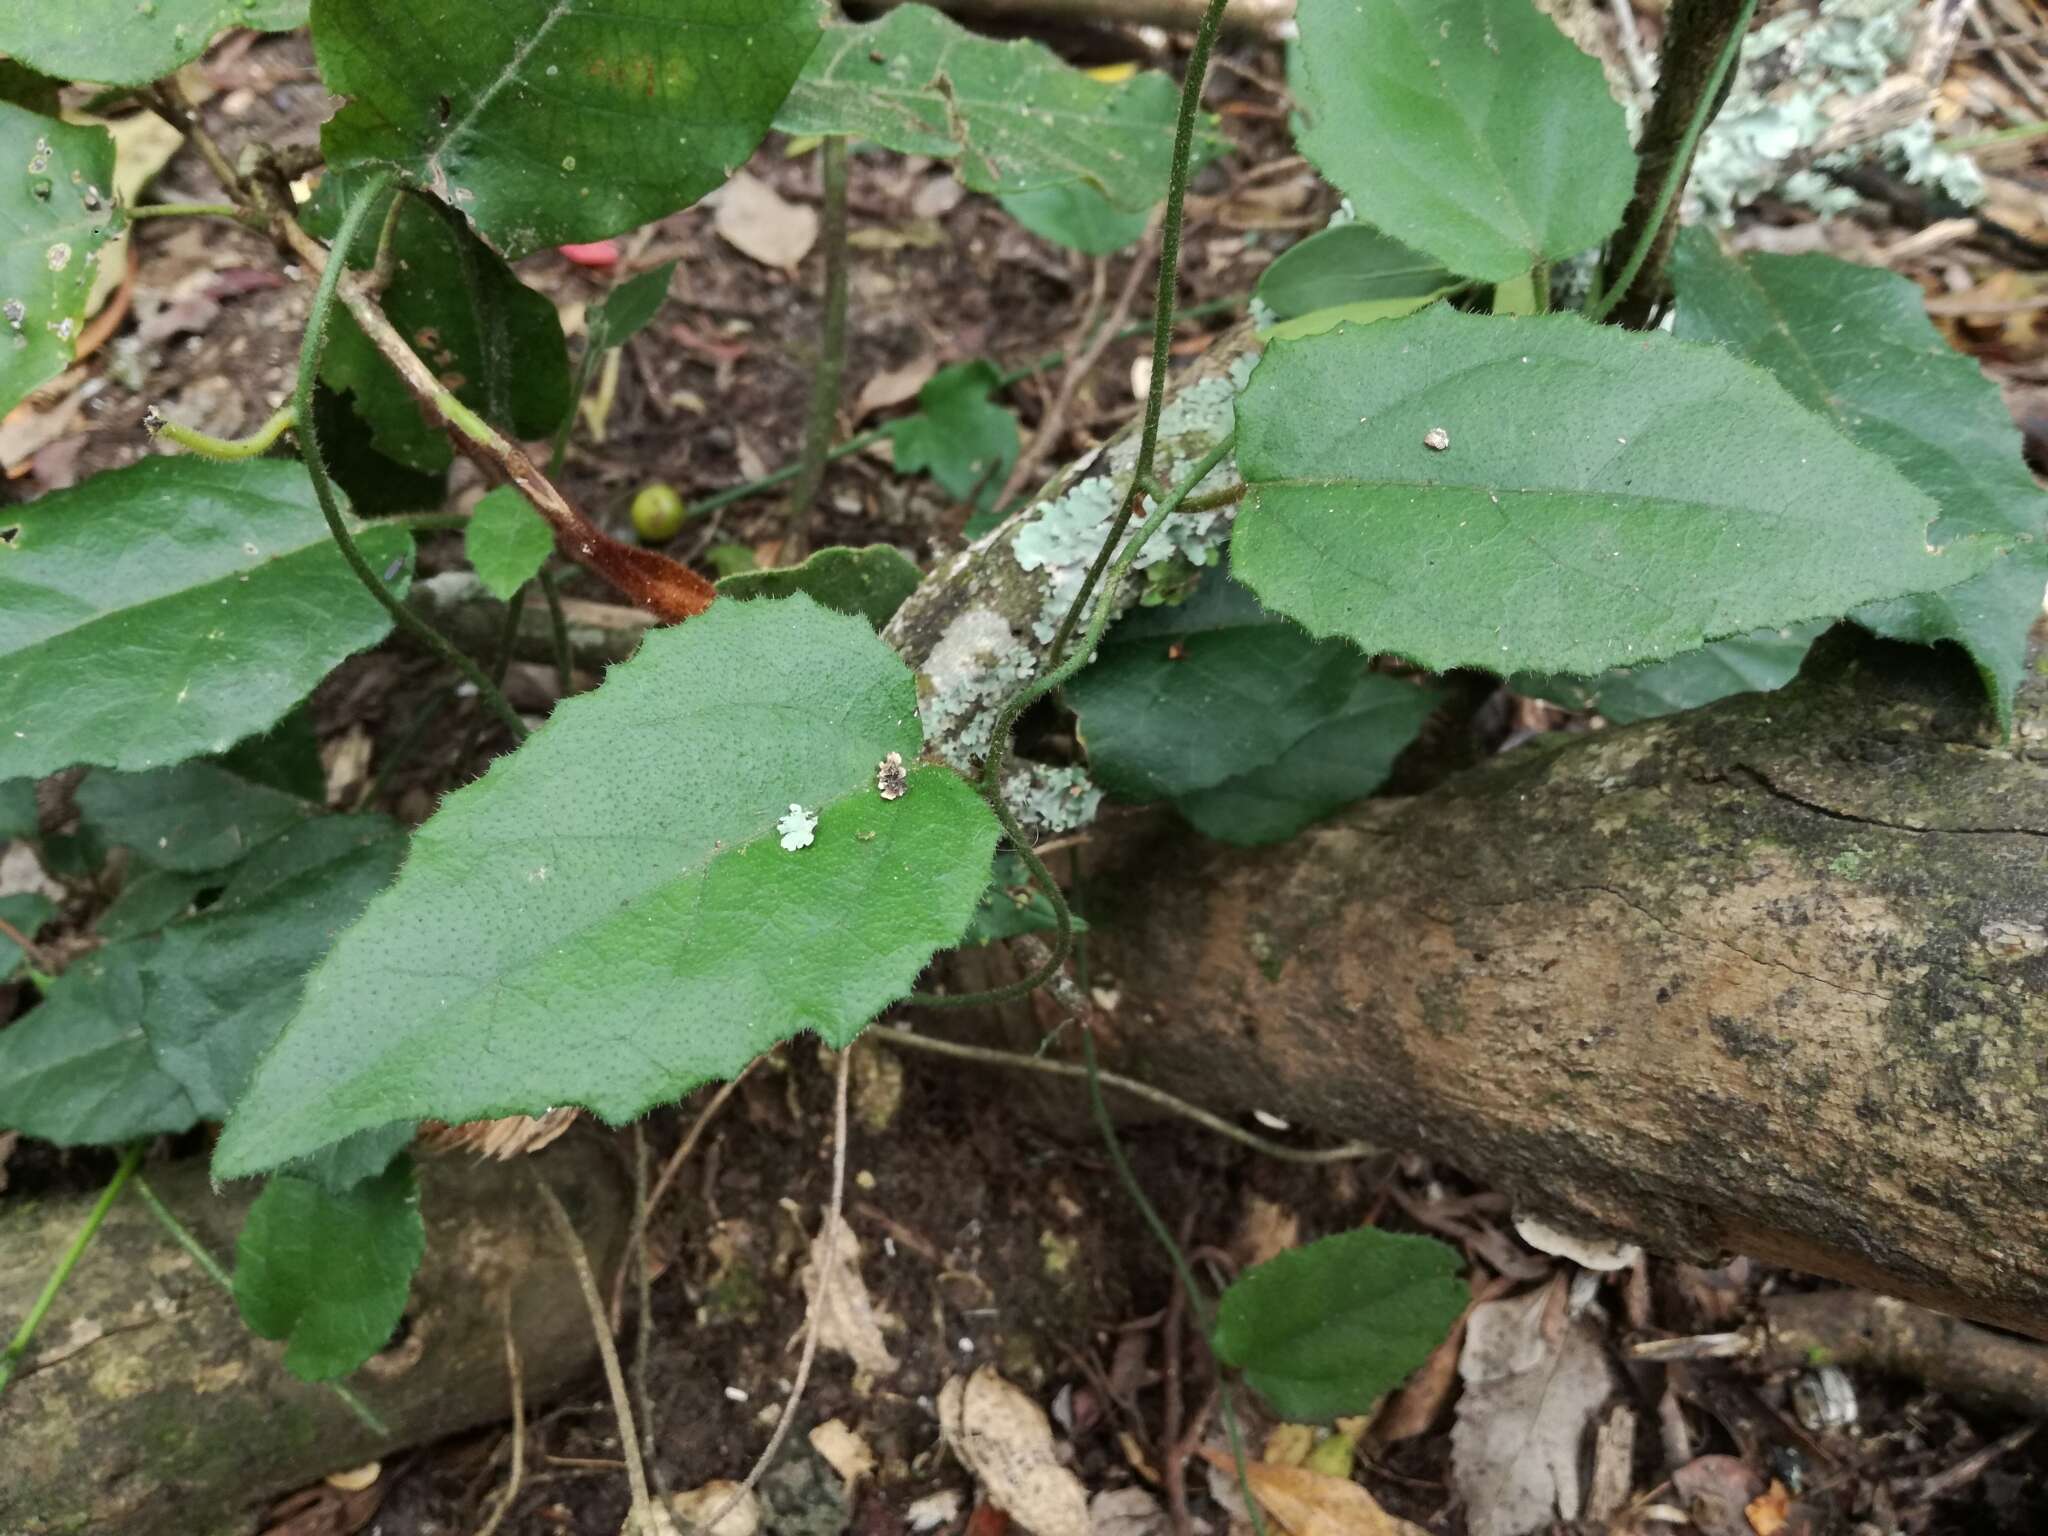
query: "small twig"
643, 1515
1174, 1449
194, 211
518, 1473
829, 1241
823, 416
1640, 67
17, 1347
172, 102
1946, 1484
385, 262
643, 1211
30, 951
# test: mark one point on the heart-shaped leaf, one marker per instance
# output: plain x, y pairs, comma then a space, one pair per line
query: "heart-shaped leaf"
1078, 217
552, 121
675, 873
507, 542
131, 42
56, 211
1854, 344
1325, 1329
1471, 129
1548, 495
217, 586
1350, 264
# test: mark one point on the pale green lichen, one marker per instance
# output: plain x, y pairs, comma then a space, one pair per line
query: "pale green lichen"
1048, 801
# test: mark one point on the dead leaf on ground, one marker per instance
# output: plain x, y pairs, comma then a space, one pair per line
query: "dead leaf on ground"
1267, 1228
1715, 1491
844, 1451
1532, 1383
345, 763
1129, 1511
1004, 1438
326, 1510
757, 221
1313, 1503
1770, 1511
696, 1505
893, 386
933, 1510
851, 1325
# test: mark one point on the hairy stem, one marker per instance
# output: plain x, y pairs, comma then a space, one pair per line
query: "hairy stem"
823, 416
225, 449
17, 1348
194, 211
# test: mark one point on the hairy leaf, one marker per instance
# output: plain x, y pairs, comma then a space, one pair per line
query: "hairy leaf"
1854, 343
1325, 1329
871, 582
1078, 217
1350, 264
131, 42
18, 817
286, 757
194, 817
1251, 726
614, 319
959, 434
217, 586
56, 211
1601, 498
327, 1272
1012, 117
608, 917
507, 542
494, 341
547, 121
1759, 662
1012, 905
1471, 129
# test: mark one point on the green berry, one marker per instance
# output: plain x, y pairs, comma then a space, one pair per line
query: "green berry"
657, 513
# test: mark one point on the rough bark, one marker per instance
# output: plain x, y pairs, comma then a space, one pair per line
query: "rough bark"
155, 1410
1768, 978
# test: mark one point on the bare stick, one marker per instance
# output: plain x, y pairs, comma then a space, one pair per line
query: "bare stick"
614, 1378
518, 1430
636, 1233
823, 418
816, 1323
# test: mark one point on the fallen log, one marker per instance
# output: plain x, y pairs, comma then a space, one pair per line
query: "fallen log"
151, 1408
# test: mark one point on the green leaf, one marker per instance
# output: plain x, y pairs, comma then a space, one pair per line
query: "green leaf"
608, 917
375, 484
494, 340
286, 757
546, 121
194, 817
340, 1167
507, 541
27, 88
127, 42
217, 585
152, 899
615, 318
77, 1071
1605, 499
1350, 264
25, 912
1012, 906
871, 582
56, 211
1078, 217
1250, 725
329, 1273
18, 817
1855, 344
1471, 129
958, 433
1759, 662
1012, 117
1327, 1328
1364, 312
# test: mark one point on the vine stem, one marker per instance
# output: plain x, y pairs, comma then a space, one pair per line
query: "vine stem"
1162, 309
310, 348
1680, 165
17, 1348
209, 1266
191, 211
225, 449
826, 380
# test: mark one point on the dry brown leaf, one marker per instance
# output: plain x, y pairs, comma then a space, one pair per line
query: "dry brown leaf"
757, 221
1312, 1503
1770, 1511
844, 1451
1288, 1445
345, 763
500, 1140
852, 1324
1129, 1511
697, 1505
1714, 1490
1005, 1439
893, 386
1267, 1228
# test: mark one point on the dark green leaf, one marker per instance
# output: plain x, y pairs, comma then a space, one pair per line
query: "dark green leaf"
18, 816
25, 912
1855, 344
1603, 499
196, 816
610, 916
131, 42
329, 1273
1351, 264
494, 340
547, 121
375, 484
1471, 129
615, 318
1078, 217
507, 542
1012, 117
1759, 662
56, 211
285, 757
1012, 906
78, 1072
153, 899
217, 586
340, 1167
870, 582
962, 437
26, 88
1250, 725
1326, 1329
730, 559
